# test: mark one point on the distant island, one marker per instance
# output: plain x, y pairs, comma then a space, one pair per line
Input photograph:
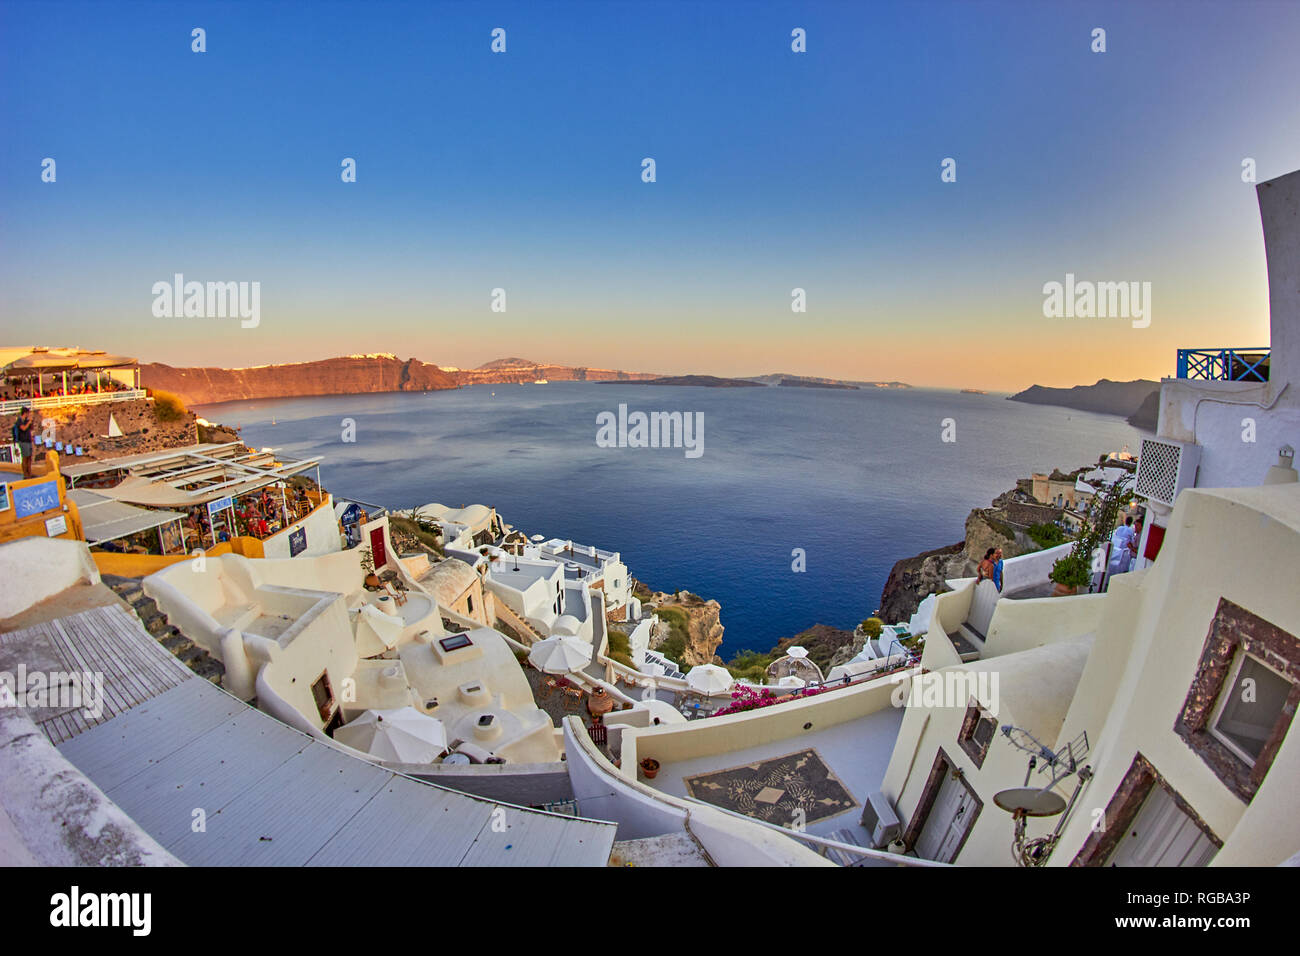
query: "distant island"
701, 381
785, 378
1137, 401
804, 383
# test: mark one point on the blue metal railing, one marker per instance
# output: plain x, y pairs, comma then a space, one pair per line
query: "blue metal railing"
1224, 365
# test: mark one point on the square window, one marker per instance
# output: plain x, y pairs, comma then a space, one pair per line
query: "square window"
1249, 707
1239, 707
977, 733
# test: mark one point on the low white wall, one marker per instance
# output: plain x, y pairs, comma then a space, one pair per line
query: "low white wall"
322, 534
34, 569
1030, 569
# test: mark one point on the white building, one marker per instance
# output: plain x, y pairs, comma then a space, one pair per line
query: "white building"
1230, 411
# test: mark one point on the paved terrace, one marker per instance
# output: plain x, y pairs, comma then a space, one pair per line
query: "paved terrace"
169, 743
856, 753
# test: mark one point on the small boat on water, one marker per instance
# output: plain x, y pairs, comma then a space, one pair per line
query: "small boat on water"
973, 391
541, 381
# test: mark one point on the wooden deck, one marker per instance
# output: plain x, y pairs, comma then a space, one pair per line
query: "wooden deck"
108, 642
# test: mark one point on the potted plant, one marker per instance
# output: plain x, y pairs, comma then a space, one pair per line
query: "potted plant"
368, 566
649, 767
1075, 569
1071, 573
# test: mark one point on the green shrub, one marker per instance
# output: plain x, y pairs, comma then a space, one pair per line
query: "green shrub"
620, 648
749, 665
168, 407
872, 627
1046, 535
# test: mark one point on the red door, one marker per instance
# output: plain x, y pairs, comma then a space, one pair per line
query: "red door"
377, 548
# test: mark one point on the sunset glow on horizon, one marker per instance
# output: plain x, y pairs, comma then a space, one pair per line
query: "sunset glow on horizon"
775, 171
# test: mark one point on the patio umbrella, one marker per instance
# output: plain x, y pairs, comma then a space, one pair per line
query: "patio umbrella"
790, 680
709, 679
403, 735
796, 651
559, 655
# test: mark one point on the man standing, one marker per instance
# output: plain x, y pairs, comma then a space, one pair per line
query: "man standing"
997, 569
1120, 552
22, 436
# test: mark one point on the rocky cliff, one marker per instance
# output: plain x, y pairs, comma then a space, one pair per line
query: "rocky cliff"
1003, 525
703, 629
1105, 398
355, 375
352, 375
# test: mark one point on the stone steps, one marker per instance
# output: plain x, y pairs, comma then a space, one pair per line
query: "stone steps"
155, 622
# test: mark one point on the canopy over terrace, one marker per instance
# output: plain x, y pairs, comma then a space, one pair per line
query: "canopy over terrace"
193, 475
35, 363
105, 519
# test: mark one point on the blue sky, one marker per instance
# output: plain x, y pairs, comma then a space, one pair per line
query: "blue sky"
521, 170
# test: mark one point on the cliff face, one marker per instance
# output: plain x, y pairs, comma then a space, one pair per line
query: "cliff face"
337, 376
703, 627
354, 375
911, 579
1106, 397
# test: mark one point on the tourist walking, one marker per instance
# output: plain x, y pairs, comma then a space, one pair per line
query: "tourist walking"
22, 437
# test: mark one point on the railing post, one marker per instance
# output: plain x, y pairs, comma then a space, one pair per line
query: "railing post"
1182, 363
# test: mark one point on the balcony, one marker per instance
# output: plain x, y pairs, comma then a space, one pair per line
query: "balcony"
1224, 365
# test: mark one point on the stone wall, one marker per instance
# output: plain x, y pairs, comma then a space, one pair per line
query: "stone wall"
87, 426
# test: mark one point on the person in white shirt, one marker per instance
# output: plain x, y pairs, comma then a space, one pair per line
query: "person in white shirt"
1121, 552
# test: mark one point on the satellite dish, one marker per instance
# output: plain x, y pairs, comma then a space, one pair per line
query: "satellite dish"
1030, 802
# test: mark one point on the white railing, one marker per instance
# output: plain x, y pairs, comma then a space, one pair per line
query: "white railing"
54, 401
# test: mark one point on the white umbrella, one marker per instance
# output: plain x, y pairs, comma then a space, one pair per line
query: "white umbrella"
403, 735
791, 681
538, 539
559, 655
796, 651
709, 679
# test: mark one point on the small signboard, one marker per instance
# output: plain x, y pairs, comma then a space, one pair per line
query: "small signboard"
221, 504
9, 453
297, 542
4, 496
33, 499
56, 526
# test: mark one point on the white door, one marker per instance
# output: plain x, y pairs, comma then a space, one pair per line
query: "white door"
951, 815
1163, 835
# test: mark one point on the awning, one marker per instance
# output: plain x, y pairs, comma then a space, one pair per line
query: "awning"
105, 519
68, 360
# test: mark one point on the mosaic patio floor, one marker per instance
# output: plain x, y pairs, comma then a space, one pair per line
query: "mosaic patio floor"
774, 789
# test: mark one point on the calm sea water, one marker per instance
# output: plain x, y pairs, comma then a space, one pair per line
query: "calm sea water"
857, 479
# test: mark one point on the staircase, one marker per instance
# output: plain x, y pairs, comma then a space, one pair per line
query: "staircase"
155, 622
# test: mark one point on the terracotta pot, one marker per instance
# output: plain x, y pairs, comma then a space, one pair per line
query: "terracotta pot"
372, 580
1061, 590
649, 767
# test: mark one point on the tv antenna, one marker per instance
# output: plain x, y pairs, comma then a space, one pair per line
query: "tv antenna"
1041, 801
